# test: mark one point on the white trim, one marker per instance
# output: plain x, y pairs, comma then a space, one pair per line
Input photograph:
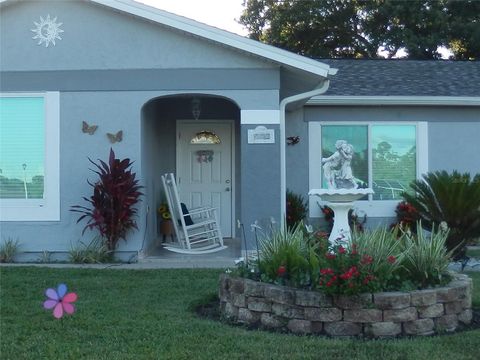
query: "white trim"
254, 117
373, 208
395, 100
233, 157
48, 208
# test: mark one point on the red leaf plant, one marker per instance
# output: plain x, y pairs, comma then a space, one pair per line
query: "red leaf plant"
112, 209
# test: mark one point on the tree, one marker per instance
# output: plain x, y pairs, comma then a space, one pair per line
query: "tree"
363, 28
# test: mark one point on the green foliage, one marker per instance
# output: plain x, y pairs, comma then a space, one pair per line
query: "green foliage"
114, 196
358, 29
96, 252
8, 250
385, 251
286, 258
451, 198
297, 209
426, 258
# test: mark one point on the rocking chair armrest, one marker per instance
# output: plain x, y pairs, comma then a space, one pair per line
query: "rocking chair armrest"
199, 210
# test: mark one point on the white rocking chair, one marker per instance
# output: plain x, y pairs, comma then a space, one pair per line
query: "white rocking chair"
197, 230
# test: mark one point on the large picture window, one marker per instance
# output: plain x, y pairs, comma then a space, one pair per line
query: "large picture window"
387, 158
29, 154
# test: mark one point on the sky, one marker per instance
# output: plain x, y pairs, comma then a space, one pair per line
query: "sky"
219, 13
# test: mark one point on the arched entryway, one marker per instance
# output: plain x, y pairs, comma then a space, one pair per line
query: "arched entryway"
206, 171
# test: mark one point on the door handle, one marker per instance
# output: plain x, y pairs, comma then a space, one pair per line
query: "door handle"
227, 189
227, 181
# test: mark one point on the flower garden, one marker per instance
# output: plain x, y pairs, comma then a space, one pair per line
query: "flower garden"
386, 282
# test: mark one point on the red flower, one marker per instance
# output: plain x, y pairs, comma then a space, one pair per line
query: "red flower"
391, 259
342, 250
281, 271
367, 259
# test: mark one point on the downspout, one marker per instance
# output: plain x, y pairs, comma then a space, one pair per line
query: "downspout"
283, 170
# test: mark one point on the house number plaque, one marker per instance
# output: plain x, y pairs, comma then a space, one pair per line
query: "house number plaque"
261, 135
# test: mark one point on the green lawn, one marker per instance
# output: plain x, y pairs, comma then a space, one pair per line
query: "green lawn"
132, 314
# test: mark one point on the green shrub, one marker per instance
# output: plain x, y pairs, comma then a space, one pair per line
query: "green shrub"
450, 198
287, 259
8, 250
94, 253
426, 258
385, 250
296, 210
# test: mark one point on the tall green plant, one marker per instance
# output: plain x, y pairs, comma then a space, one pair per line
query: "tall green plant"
426, 257
287, 259
452, 198
114, 196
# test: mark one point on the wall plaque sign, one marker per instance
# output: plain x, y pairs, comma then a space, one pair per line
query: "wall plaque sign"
261, 135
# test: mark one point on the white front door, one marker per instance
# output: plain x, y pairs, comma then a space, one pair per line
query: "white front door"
204, 168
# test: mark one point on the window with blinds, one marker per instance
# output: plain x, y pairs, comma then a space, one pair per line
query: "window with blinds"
22, 147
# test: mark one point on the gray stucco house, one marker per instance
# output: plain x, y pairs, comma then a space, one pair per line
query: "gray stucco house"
163, 80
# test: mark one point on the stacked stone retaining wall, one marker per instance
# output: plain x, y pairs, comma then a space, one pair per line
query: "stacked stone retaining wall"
388, 314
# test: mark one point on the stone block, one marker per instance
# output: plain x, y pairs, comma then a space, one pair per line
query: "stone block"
353, 302
259, 304
383, 329
248, 317
431, 311
230, 311
342, 328
400, 315
317, 327
238, 300
312, 298
237, 285
323, 314
362, 315
423, 297
223, 288
417, 327
291, 312
392, 300
446, 323
300, 326
272, 321
466, 316
449, 294
454, 307
280, 295
253, 288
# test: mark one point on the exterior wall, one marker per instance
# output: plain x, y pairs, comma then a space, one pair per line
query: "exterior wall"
451, 131
117, 41
119, 64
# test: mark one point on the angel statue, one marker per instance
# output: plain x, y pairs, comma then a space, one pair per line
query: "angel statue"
337, 168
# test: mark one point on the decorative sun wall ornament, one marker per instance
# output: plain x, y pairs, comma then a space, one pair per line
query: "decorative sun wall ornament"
47, 31
205, 137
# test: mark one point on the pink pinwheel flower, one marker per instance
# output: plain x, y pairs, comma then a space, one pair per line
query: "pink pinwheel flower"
60, 301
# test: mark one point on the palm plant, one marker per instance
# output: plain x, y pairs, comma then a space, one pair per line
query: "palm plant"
451, 198
112, 209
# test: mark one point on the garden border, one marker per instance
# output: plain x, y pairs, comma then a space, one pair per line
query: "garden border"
387, 314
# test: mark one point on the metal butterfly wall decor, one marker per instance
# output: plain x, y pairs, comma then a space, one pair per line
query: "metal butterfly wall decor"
88, 129
115, 137
292, 140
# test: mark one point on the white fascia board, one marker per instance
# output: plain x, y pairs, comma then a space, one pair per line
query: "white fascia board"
221, 36
395, 100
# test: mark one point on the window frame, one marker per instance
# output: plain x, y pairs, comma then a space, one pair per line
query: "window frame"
48, 208
373, 208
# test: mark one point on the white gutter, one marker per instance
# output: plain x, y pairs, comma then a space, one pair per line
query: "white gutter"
283, 170
395, 100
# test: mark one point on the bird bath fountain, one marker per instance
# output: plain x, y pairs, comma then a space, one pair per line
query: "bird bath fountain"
342, 189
